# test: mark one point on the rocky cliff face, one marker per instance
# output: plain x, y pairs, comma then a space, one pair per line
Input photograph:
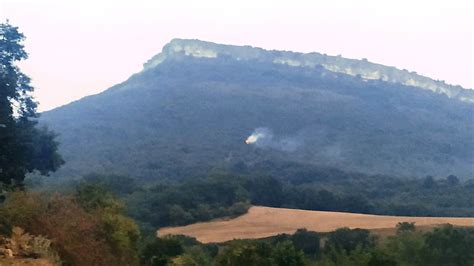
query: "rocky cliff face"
361, 68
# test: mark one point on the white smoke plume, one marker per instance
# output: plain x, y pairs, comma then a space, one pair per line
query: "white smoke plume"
258, 136
263, 138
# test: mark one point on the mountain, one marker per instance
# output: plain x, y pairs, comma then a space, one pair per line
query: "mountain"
193, 105
361, 68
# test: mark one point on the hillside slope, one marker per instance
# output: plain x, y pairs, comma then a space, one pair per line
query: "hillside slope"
191, 108
262, 222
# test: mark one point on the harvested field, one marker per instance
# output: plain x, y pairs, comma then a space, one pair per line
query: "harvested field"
262, 222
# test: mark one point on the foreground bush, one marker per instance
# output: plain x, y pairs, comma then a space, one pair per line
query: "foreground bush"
260, 253
79, 236
22, 245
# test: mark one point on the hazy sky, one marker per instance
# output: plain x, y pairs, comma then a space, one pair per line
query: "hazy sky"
78, 48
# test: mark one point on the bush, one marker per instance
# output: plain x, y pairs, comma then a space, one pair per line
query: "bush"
245, 253
73, 231
120, 232
307, 241
285, 254
405, 227
194, 256
28, 246
350, 239
160, 251
80, 237
448, 246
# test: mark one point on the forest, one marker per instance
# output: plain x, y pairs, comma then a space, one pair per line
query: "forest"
206, 198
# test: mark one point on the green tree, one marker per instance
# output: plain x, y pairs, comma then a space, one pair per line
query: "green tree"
266, 191
350, 239
307, 241
161, 251
406, 247
245, 253
95, 197
340, 257
119, 231
448, 246
194, 256
285, 254
24, 147
380, 258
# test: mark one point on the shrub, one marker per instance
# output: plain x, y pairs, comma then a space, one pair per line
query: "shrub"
405, 227
77, 235
160, 251
307, 241
350, 239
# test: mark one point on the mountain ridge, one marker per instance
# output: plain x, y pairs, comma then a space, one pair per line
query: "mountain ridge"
362, 68
187, 115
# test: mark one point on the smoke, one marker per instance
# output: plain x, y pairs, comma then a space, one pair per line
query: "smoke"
263, 138
259, 135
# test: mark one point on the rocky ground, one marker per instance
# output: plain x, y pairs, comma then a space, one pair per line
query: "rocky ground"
22, 248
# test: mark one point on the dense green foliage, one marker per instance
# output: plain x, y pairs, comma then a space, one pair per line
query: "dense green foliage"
260, 253
159, 251
348, 240
195, 200
226, 195
188, 116
24, 148
201, 199
445, 245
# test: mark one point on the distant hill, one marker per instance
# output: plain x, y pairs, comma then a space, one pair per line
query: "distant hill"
193, 105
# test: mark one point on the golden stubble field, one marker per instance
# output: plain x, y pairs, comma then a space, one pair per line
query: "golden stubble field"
262, 222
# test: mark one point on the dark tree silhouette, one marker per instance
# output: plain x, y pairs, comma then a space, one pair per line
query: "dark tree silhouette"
24, 147
452, 180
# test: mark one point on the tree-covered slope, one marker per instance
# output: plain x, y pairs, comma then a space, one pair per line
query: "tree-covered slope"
190, 110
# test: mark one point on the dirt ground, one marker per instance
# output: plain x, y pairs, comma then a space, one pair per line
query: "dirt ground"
262, 222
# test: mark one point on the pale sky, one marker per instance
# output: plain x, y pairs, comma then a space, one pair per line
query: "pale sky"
78, 48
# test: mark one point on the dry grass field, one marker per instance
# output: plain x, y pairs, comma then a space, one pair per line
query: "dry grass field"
262, 222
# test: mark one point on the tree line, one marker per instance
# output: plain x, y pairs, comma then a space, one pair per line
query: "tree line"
444, 246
